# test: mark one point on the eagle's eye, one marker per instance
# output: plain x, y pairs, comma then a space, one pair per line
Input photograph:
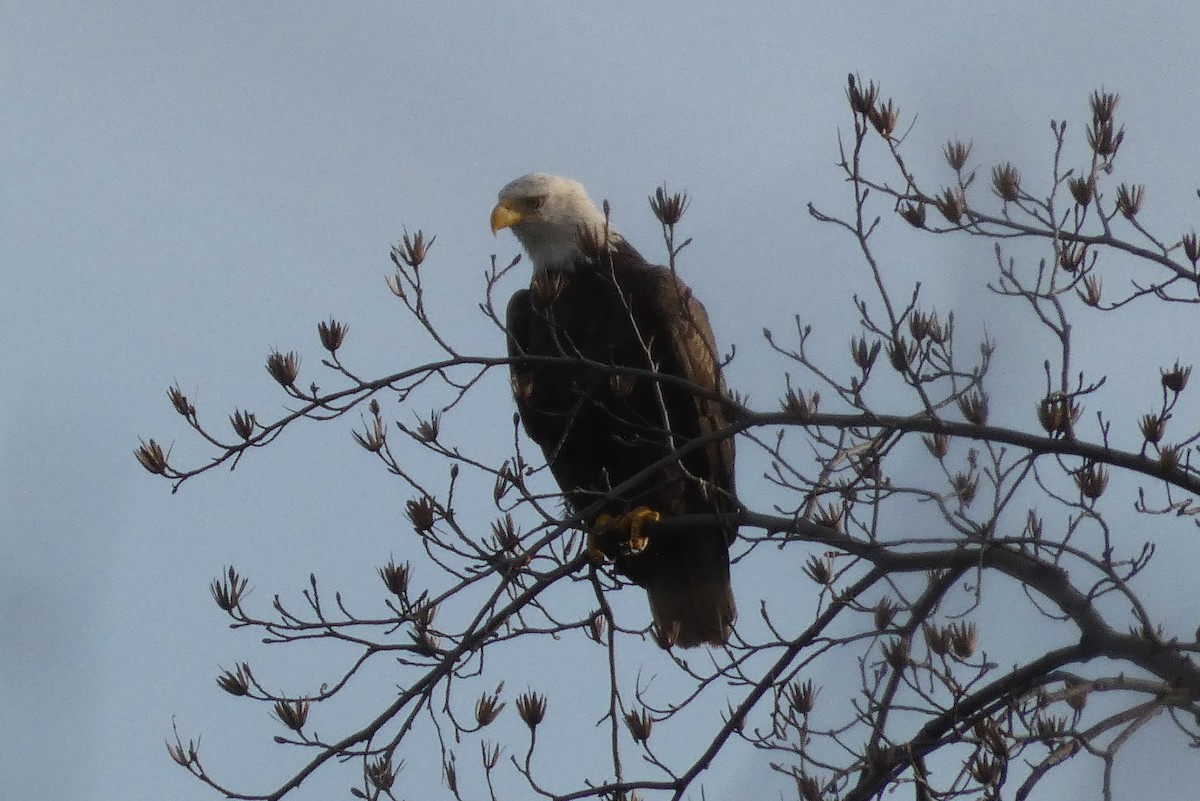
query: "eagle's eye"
535, 203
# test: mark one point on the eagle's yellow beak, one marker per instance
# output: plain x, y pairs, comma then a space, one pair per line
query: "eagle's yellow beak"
503, 217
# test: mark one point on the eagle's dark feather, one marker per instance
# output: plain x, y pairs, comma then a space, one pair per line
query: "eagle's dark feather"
599, 427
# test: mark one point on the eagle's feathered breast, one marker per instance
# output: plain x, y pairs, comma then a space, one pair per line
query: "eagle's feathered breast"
612, 325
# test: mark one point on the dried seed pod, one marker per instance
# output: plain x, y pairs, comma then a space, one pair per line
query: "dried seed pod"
913, 214
885, 613
956, 154
667, 207
531, 707
284, 367
1174, 379
412, 250
640, 724
1006, 181
150, 455
488, 708
293, 714
1129, 199
236, 682
229, 591
938, 445
332, 334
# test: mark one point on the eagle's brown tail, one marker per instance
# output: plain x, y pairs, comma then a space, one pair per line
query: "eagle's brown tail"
690, 596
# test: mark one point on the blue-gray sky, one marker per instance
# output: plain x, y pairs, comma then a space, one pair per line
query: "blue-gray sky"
185, 186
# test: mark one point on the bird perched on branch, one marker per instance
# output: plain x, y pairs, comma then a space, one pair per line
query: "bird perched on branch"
616, 376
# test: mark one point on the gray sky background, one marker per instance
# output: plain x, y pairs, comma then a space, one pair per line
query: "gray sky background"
185, 186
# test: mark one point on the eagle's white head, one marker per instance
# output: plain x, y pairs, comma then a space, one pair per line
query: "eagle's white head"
548, 213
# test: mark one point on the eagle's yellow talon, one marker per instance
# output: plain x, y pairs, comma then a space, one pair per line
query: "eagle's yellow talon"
625, 532
635, 521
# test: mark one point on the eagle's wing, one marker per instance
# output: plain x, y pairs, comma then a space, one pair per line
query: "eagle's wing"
517, 320
694, 349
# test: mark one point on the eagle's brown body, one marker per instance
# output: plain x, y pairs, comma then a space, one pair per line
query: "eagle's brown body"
606, 431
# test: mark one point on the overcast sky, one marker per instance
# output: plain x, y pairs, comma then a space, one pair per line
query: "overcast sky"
186, 186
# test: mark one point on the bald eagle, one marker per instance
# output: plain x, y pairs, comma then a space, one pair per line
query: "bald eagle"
603, 419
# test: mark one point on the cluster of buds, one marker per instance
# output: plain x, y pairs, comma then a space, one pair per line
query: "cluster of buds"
1092, 480
1129, 199
1191, 247
1168, 457
237, 681
428, 430
380, 773
421, 514
506, 479
819, 569
1083, 189
668, 207
956, 154
901, 354
1006, 182
151, 456
862, 353
830, 516
412, 250
332, 334
422, 635
1104, 138
1174, 379
184, 755
801, 697
952, 204
937, 639
974, 407
1092, 290
1070, 256
181, 402
229, 591
531, 707
506, 536
375, 436
913, 214
640, 724
986, 770
896, 651
243, 423
922, 325
284, 367
1153, 427
489, 755
1058, 414
938, 445
489, 707
396, 577
964, 639
293, 714
965, 486
795, 402
885, 613
883, 116
1049, 729
991, 736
